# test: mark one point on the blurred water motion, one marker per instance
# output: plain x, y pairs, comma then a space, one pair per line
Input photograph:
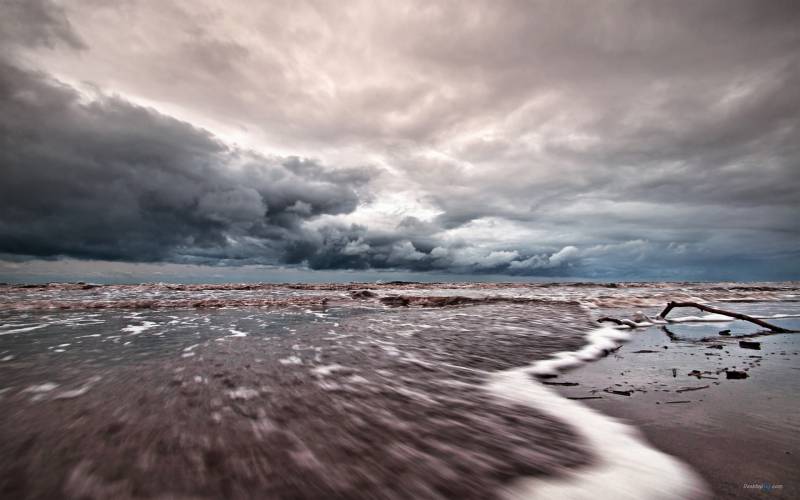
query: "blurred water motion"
245, 391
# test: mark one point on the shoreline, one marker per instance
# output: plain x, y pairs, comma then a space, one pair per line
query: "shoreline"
626, 465
732, 432
469, 393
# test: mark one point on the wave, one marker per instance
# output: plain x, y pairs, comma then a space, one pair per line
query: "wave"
626, 466
71, 296
206, 303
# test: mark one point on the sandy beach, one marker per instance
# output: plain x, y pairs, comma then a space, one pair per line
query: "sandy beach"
387, 391
735, 432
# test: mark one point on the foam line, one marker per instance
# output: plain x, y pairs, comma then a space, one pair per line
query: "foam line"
600, 342
643, 321
20, 330
723, 318
625, 466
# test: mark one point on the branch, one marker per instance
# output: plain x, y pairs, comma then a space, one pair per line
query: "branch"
621, 322
743, 317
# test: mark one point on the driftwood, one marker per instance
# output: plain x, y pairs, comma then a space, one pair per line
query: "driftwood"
672, 305
621, 322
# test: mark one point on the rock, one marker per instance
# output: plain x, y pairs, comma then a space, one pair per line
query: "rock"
715, 346
395, 301
363, 294
725, 332
745, 344
696, 373
567, 384
735, 374
643, 351
620, 393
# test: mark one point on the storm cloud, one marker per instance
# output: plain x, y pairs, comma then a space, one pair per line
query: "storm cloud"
110, 180
594, 139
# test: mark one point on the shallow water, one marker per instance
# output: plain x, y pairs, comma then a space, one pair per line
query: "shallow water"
308, 390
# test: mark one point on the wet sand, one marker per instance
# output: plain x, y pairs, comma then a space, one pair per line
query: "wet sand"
734, 432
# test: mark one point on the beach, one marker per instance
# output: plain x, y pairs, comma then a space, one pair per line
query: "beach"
736, 433
391, 390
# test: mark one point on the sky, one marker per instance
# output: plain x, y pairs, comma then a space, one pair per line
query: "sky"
339, 140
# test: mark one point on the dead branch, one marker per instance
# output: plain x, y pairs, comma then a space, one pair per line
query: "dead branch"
672, 305
621, 322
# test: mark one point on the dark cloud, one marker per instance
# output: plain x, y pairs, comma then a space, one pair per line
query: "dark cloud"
107, 179
624, 139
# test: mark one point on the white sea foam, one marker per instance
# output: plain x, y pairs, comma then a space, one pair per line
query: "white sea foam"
137, 329
712, 318
356, 379
21, 330
326, 370
721, 317
625, 467
80, 391
236, 333
46, 387
600, 342
242, 393
73, 393
291, 360
643, 321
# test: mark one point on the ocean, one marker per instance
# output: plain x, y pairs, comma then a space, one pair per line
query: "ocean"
358, 390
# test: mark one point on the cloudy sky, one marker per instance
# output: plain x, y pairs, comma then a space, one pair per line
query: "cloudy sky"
584, 139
